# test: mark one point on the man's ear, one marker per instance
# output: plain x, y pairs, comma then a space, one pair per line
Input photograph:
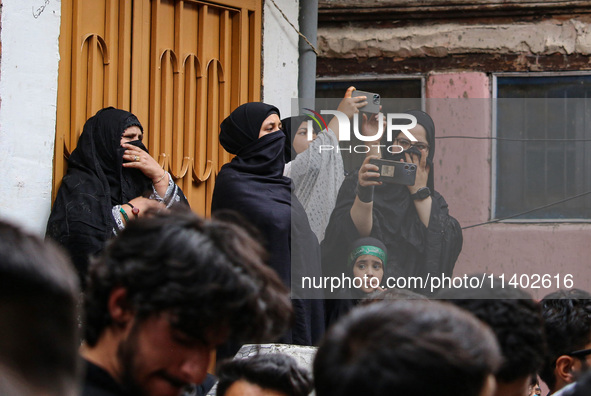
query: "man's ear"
565, 369
490, 386
119, 309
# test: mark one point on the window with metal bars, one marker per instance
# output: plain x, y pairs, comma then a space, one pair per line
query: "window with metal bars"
543, 148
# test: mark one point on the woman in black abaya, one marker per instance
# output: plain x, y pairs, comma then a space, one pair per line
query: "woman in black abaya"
413, 221
253, 185
111, 179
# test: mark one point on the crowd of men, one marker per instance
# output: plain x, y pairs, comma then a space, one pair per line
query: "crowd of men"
171, 288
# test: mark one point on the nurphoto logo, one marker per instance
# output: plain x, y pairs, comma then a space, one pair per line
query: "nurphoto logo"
392, 124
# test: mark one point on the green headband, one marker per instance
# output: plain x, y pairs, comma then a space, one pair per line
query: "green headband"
371, 250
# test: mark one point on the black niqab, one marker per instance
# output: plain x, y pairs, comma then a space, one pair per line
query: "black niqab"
253, 185
81, 218
414, 250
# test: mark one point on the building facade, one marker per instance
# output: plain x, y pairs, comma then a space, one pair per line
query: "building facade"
507, 84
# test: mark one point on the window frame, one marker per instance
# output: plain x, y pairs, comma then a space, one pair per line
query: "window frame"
380, 77
494, 153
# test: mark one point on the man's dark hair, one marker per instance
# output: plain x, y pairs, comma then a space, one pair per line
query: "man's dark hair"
411, 347
38, 312
391, 295
276, 371
208, 274
516, 320
567, 320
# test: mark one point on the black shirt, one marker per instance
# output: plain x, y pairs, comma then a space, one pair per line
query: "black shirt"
98, 382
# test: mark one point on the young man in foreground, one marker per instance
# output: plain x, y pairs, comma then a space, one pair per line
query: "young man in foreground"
164, 294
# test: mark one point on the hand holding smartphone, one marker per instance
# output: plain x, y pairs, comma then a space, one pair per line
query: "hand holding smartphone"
373, 101
395, 172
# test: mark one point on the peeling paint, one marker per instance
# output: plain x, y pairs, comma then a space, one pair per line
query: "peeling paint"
436, 40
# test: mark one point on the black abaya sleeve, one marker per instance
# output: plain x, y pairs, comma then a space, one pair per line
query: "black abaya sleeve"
418, 251
443, 239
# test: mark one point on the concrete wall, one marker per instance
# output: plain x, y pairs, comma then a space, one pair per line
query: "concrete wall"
504, 37
28, 92
443, 39
280, 55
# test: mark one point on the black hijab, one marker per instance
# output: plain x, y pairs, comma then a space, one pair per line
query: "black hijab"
243, 125
427, 122
290, 127
81, 218
392, 202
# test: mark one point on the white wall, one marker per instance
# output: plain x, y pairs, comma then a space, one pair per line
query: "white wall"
28, 94
280, 55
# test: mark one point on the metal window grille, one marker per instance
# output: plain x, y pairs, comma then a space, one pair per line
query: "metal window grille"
543, 147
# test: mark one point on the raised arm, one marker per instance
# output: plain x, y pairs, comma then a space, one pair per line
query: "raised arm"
362, 209
349, 106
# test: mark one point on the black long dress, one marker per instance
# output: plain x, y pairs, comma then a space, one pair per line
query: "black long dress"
81, 219
413, 249
253, 185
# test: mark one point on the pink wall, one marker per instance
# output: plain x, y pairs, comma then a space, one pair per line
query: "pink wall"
463, 177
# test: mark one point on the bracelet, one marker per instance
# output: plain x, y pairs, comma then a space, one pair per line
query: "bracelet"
365, 194
159, 180
134, 210
124, 215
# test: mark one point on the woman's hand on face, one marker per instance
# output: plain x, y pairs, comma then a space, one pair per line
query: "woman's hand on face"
422, 170
368, 173
349, 105
139, 159
146, 205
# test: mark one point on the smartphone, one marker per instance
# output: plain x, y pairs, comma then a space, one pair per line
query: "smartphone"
395, 172
373, 101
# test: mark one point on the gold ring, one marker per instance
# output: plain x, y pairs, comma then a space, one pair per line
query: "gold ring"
137, 158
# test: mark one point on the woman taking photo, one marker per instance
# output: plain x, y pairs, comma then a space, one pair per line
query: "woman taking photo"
413, 221
317, 175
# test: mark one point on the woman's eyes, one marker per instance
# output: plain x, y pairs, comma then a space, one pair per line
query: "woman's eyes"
134, 137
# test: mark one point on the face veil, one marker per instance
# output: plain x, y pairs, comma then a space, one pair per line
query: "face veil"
81, 218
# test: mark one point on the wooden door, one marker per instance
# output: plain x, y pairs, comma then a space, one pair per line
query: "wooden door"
180, 66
